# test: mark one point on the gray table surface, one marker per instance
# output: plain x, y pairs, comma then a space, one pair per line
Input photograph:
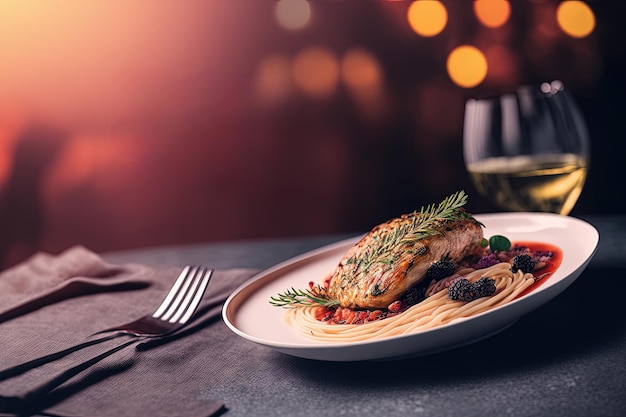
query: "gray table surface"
566, 358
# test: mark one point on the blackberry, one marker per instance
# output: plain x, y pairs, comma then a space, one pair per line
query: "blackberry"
523, 263
484, 287
441, 269
460, 289
414, 295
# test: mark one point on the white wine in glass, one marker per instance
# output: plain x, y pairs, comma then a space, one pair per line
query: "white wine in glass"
527, 150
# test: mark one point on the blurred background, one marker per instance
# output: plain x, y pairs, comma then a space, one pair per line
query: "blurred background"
153, 122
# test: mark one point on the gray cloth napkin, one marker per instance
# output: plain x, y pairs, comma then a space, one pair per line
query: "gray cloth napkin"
51, 302
45, 279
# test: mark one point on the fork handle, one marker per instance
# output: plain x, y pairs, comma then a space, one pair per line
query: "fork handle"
30, 401
34, 363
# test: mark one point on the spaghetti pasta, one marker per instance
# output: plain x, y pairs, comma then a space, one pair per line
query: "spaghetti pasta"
434, 311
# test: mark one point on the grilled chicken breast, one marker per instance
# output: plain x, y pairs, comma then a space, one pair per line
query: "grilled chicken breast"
392, 258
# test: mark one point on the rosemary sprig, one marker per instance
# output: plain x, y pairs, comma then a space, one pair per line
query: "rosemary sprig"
295, 297
447, 210
422, 225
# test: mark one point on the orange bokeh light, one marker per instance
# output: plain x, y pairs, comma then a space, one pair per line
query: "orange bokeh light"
427, 17
363, 76
467, 66
361, 71
575, 18
316, 72
492, 13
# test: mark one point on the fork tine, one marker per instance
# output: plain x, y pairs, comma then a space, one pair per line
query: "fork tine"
192, 304
167, 301
188, 279
184, 298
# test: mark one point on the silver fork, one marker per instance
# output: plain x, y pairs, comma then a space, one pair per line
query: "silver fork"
173, 313
176, 308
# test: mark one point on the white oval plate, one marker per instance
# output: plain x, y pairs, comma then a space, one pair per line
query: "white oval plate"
248, 313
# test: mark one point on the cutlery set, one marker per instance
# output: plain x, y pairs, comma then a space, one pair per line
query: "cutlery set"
174, 312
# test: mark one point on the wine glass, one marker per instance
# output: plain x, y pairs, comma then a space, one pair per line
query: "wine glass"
527, 150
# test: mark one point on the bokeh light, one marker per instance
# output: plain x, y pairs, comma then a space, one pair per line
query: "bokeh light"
293, 14
273, 78
467, 66
427, 17
361, 71
552, 87
316, 71
575, 18
363, 77
492, 13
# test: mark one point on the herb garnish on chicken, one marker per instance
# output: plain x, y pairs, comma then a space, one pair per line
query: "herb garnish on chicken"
395, 256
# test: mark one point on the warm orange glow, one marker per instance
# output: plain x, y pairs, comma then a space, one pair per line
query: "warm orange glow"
360, 70
427, 17
316, 72
76, 164
82, 63
84, 157
273, 78
467, 66
293, 14
575, 18
492, 13
363, 76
